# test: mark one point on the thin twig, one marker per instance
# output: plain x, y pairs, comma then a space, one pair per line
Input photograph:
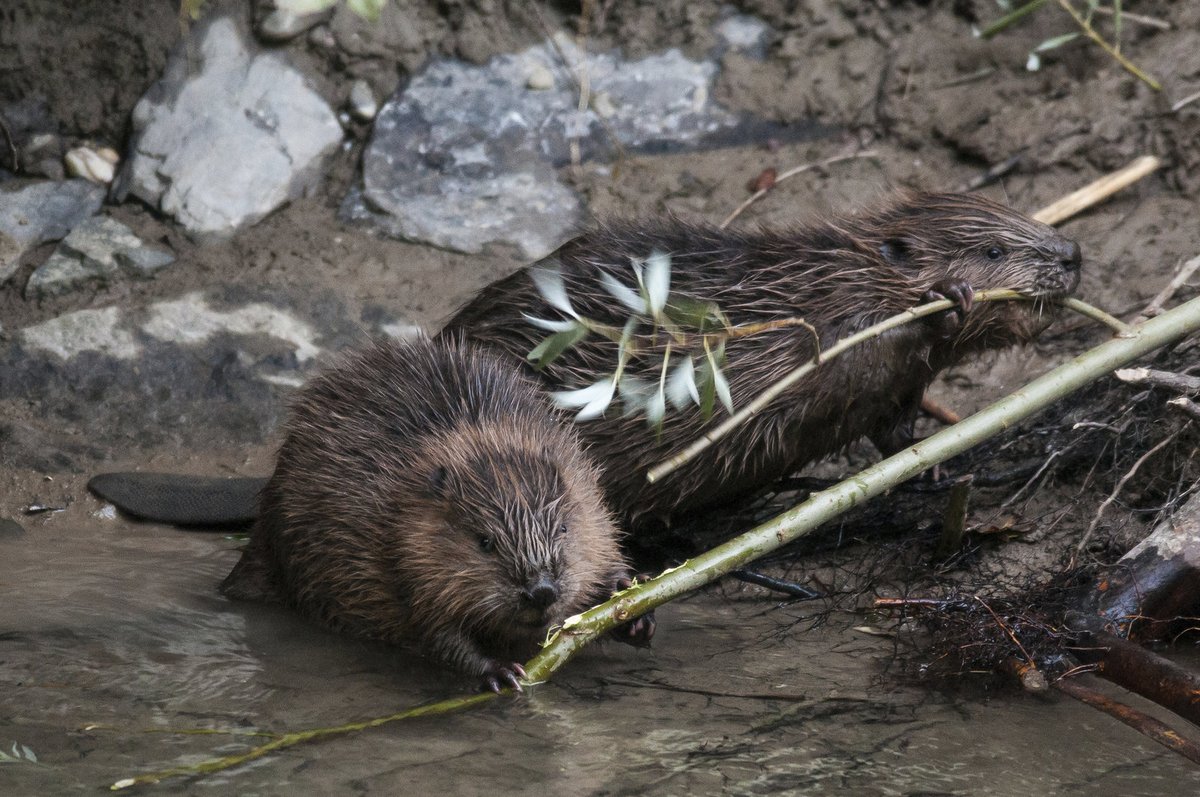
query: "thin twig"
1182, 275
1141, 722
285, 740
1152, 22
1165, 379
1097, 191
1007, 630
759, 194
1096, 314
790, 588
1186, 406
12, 147
1087, 535
692, 690
1091, 33
1188, 100
938, 412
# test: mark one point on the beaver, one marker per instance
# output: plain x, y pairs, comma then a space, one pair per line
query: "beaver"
426, 492
840, 275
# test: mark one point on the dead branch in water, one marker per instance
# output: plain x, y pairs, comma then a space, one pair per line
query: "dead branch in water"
1133, 667
1139, 721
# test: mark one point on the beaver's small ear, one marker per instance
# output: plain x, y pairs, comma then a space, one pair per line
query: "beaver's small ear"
437, 482
896, 252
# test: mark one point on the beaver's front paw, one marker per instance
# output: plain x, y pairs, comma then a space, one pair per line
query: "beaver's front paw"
497, 676
638, 631
957, 290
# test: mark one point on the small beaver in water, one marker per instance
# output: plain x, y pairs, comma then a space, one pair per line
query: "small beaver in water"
426, 492
840, 275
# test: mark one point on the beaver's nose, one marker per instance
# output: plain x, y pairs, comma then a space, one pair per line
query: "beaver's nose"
1067, 253
540, 593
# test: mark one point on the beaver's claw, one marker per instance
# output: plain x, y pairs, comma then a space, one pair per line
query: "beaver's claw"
498, 676
638, 631
957, 290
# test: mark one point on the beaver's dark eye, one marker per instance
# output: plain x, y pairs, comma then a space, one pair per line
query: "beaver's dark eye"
994, 253
562, 531
486, 544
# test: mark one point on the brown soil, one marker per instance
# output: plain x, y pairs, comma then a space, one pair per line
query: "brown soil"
907, 78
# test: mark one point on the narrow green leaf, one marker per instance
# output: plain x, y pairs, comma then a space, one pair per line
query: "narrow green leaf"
1008, 19
367, 9
634, 392
693, 314
1056, 41
552, 347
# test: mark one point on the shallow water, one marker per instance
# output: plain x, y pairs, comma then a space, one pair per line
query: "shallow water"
112, 632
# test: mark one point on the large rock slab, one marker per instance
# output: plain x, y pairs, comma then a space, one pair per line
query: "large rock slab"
227, 135
33, 213
202, 370
466, 155
98, 250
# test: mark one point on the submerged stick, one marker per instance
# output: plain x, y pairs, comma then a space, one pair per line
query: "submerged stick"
1139, 721
1133, 667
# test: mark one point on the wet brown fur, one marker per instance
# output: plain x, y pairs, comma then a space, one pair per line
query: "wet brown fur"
400, 465
841, 275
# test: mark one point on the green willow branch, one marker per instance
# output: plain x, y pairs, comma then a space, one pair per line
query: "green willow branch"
581, 629
776, 389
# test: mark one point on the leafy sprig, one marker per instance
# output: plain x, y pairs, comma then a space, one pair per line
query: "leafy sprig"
682, 339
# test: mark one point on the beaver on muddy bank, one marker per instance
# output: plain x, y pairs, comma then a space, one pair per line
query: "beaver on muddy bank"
839, 274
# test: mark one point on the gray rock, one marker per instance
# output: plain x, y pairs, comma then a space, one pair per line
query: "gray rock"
96, 251
32, 213
465, 156
209, 368
227, 135
282, 25
362, 103
744, 33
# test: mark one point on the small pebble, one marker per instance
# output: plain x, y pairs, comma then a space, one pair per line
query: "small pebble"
540, 78
602, 104
87, 163
321, 36
363, 105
